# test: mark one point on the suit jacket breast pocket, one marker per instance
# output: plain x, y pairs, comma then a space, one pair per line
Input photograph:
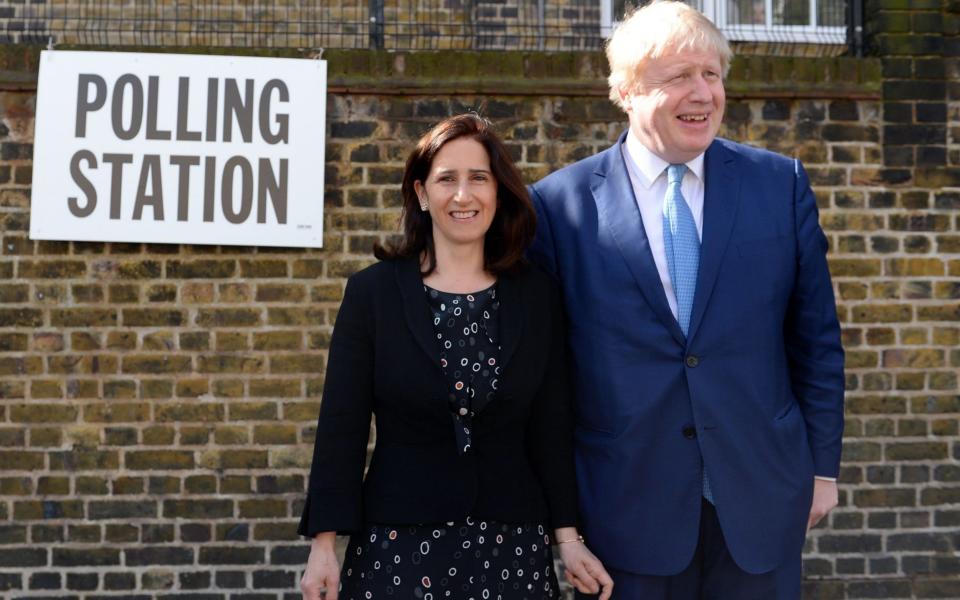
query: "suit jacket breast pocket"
763, 246
764, 271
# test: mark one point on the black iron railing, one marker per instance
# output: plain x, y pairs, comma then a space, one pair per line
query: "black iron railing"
396, 24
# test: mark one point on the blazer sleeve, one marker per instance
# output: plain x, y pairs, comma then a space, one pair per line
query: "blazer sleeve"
550, 432
542, 252
812, 336
334, 496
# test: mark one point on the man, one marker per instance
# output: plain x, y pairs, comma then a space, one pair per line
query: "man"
706, 347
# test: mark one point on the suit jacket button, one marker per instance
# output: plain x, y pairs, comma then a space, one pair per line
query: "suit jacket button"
463, 411
689, 432
692, 361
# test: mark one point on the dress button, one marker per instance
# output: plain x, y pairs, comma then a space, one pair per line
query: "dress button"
463, 412
689, 432
692, 361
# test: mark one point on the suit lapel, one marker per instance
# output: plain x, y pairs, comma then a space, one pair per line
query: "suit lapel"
720, 202
416, 309
511, 317
618, 213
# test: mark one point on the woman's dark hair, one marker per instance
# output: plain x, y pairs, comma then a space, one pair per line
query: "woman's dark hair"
514, 222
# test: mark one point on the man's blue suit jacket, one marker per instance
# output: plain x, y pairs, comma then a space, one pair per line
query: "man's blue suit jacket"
756, 389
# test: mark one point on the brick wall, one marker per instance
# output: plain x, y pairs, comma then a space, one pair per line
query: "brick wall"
157, 402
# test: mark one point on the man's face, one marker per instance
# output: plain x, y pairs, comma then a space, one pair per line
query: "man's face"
676, 108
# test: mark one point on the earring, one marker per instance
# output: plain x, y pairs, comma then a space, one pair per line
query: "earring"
423, 204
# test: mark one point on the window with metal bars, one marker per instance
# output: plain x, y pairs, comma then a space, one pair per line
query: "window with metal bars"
799, 21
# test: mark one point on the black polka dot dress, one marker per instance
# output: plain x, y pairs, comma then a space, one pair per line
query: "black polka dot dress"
479, 560
467, 332
472, 559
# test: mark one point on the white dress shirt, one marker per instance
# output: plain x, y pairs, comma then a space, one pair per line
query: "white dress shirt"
648, 176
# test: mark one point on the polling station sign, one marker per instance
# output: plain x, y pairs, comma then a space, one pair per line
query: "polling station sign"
134, 147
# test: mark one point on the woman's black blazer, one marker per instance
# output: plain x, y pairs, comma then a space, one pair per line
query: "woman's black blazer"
384, 361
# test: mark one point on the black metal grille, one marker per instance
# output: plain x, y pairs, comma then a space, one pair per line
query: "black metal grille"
391, 24
394, 24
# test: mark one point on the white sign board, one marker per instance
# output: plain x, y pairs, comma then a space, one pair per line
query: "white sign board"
174, 148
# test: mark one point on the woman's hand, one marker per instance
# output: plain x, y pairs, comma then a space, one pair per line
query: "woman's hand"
582, 569
321, 578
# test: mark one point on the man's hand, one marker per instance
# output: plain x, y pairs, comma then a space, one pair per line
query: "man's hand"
825, 497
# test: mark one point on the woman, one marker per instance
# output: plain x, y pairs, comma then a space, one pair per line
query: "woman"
456, 345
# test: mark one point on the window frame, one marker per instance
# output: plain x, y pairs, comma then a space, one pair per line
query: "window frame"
716, 11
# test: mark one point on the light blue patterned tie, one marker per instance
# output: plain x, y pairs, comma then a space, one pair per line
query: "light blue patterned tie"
682, 246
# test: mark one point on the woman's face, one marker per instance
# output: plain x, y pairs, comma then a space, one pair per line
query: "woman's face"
460, 192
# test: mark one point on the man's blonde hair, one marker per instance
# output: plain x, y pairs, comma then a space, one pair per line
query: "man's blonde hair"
653, 30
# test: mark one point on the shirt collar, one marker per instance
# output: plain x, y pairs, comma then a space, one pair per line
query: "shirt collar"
648, 166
